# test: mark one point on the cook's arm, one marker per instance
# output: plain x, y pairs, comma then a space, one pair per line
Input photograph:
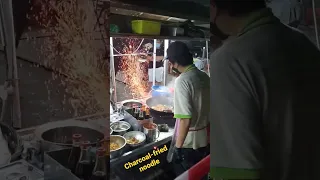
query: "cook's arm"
182, 110
184, 125
236, 150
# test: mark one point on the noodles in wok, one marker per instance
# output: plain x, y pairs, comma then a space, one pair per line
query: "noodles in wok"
162, 108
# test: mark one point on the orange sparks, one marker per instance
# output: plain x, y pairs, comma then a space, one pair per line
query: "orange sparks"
74, 51
135, 72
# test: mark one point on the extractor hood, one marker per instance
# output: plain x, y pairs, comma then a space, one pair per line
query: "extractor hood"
162, 10
144, 15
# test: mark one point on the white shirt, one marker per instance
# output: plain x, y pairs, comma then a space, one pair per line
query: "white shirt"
192, 100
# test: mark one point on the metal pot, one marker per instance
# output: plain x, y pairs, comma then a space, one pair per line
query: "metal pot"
175, 31
59, 134
121, 141
151, 131
171, 30
140, 136
128, 104
120, 127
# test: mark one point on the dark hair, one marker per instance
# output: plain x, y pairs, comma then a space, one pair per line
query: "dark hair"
185, 60
178, 52
239, 7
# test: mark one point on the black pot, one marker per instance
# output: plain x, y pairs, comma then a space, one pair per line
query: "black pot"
129, 104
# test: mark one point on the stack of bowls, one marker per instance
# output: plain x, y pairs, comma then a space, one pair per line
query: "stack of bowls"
120, 127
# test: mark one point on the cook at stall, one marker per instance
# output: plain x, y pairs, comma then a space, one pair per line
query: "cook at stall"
191, 108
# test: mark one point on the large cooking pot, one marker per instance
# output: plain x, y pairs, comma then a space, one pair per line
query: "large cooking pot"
59, 134
153, 101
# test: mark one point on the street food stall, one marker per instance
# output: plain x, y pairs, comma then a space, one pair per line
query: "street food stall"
133, 140
137, 140
143, 123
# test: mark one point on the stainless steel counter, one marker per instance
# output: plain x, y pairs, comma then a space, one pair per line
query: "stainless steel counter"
164, 138
100, 119
27, 135
95, 118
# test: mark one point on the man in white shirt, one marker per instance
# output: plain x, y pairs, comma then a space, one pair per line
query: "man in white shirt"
191, 107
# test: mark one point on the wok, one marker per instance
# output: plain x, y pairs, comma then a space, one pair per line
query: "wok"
153, 101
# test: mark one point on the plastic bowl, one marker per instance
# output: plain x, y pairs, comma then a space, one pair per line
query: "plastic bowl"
160, 88
160, 91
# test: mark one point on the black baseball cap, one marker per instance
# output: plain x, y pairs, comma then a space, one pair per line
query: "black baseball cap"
179, 52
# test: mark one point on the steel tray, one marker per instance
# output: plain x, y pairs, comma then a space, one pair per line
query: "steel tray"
20, 170
55, 162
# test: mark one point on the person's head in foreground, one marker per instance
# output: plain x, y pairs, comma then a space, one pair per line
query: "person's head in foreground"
179, 56
228, 16
263, 95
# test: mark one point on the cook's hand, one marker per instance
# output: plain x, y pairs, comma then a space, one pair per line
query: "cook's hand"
178, 155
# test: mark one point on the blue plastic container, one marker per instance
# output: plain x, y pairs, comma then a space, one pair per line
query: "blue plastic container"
160, 91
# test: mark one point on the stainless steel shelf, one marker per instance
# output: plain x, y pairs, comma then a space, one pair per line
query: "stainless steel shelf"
128, 35
154, 8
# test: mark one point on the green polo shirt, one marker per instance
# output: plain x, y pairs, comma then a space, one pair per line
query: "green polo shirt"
192, 101
263, 91
250, 172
